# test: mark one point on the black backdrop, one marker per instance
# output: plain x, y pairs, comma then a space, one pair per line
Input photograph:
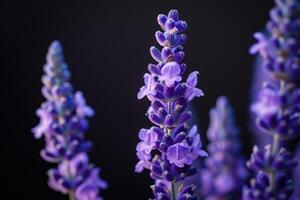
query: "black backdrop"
106, 46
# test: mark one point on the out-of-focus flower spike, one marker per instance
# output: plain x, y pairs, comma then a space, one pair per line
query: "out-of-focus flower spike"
225, 172
277, 107
63, 122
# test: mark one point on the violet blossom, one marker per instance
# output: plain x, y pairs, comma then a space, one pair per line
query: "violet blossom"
63, 123
277, 109
169, 147
224, 172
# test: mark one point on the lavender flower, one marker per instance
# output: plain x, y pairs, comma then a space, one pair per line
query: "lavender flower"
274, 98
273, 179
224, 173
277, 109
169, 147
280, 49
63, 123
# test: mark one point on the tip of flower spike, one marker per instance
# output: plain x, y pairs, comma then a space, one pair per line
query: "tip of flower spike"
171, 23
55, 53
224, 105
222, 100
55, 47
222, 121
173, 14
55, 44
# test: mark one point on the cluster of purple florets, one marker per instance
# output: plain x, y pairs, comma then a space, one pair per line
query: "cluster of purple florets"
225, 172
63, 123
169, 147
280, 47
278, 106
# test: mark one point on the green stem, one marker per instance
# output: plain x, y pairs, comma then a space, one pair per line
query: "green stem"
173, 191
275, 148
72, 195
71, 192
275, 145
276, 139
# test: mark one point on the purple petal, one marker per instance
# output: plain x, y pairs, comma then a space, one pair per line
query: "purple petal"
140, 146
161, 19
192, 79
139, 166
142, 93
170, 73
198, 92
181, 26
178, 154
174, 15
254, 48
160, 37
193, 131
143, 134
155, 53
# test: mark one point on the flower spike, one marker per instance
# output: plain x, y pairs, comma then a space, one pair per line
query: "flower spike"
63, 123
277, 109
169, 148
225, 172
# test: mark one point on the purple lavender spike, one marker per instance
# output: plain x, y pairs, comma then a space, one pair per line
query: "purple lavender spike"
224, 173
63, 123
170, 147
277, 109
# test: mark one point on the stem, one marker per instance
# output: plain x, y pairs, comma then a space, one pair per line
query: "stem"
275, 148
72, 195
71, 192
169, 107
276, 139
169, 131
275, 145
173, 191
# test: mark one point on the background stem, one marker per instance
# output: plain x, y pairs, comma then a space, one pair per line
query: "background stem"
72, 195
275, 148
173, 191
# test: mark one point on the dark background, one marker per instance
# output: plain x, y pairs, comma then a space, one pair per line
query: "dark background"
106, 46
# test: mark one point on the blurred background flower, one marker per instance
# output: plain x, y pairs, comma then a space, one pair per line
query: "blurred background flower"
225, 171
63, 123
277, 107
